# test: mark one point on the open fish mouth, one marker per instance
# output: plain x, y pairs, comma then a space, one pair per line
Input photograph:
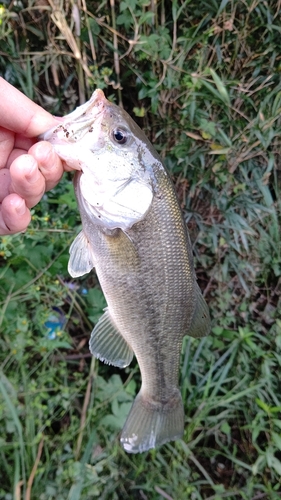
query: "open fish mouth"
85, 119
80, 132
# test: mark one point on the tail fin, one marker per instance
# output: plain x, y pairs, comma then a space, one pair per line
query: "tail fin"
151, 424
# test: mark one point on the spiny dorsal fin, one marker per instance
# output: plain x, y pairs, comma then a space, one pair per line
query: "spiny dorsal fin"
108, 345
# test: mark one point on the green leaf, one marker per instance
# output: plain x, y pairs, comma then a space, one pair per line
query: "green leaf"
276, 439
272, 461
225, 428
220, 86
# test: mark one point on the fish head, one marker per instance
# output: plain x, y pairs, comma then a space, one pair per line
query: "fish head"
115, 158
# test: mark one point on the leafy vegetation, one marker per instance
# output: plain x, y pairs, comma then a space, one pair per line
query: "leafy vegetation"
203, 80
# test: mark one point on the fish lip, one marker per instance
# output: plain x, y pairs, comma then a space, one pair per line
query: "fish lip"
78, 123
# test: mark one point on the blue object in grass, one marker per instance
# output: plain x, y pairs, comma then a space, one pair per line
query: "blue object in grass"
55, 323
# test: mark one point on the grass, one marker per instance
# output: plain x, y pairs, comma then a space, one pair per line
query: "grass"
209, 97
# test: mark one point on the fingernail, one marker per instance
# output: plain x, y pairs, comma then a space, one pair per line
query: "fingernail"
33, 174
20, 207
42, 151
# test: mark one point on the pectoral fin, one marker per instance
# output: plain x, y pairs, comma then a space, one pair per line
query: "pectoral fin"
108, 345
201, 322
81, 259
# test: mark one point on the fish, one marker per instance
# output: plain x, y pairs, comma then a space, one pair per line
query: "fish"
134, 235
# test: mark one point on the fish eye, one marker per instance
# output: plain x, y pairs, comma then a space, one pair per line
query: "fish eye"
120, 136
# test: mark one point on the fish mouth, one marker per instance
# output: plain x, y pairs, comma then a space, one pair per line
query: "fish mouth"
85, 119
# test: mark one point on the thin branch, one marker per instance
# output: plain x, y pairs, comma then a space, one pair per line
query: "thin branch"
34, 469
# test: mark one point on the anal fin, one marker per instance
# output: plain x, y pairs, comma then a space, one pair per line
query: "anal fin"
108, 345
81, 259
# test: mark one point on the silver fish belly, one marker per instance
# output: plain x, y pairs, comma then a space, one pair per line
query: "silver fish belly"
135, 237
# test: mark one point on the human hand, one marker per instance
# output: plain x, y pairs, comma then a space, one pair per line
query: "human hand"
27, 168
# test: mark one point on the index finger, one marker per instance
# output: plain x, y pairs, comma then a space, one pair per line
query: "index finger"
21, 115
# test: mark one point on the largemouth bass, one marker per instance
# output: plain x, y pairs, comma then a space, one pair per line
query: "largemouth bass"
135, 236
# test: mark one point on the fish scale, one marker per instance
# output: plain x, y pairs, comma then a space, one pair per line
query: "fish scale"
173, 286
135, 236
